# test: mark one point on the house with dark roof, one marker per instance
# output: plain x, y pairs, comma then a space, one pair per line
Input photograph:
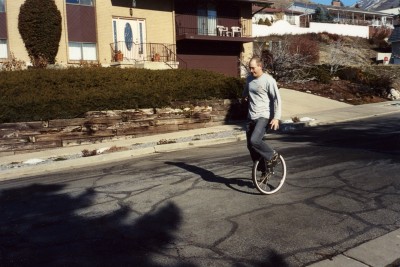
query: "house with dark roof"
394, 39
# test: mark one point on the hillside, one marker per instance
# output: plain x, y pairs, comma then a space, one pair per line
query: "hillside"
358, 53
375, 5
378, 4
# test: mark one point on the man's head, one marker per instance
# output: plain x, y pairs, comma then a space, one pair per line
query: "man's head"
255, 66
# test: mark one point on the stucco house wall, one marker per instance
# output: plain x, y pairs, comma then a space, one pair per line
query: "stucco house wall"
15, 42
159, 21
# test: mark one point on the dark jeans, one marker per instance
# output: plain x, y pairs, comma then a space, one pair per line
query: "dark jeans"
254, 135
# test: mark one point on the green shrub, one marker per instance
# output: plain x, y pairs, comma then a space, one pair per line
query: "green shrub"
321, 74
44, 94
351, 74
39, 23
267, 22
380, 84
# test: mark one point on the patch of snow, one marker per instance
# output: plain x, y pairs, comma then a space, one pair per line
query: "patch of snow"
33, 161
102, 150
303, 119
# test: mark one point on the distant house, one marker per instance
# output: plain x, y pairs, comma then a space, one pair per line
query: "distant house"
274, 14
334, 19
346, 15
394, 39
395, 12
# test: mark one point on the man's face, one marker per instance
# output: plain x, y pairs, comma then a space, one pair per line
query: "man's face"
256, 70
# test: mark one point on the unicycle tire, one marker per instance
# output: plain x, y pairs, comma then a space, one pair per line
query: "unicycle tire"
273, 179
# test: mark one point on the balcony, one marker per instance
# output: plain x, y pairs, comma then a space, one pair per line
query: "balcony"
364, 22
160, 56
192, 27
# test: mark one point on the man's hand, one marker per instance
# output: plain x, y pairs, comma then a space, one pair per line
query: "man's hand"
274, 124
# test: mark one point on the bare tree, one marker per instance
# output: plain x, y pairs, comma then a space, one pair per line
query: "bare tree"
335, 61
286, 59
339, 56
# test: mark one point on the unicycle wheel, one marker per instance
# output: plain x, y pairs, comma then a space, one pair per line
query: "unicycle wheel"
272, 179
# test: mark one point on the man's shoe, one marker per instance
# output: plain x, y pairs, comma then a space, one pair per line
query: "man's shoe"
273, 161
263, 178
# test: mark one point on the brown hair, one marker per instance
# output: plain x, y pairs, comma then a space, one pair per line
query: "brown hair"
257, 60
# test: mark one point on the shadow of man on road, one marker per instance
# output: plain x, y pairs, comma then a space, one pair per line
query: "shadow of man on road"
209, 176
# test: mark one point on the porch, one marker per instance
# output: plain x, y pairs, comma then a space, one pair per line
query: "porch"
229, 29
375, 22
355, 17
144, 55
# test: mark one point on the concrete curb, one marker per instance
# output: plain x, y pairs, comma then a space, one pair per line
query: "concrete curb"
52, 166
382, 251
199, 143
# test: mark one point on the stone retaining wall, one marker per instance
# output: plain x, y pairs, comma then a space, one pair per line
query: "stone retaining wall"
98, 126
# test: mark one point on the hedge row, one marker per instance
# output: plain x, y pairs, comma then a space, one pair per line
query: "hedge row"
378, 82
44, 94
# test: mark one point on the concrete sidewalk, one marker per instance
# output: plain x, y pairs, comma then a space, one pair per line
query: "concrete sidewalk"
382, 251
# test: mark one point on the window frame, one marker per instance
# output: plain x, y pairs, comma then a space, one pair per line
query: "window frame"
82, 49
4, 42
80, 3
2, 6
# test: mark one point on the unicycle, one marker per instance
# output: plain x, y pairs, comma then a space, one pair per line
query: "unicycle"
272, 179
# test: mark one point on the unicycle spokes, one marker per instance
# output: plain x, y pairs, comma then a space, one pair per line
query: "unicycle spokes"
272, 179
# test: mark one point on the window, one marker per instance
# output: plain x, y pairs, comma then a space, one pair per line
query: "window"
291, 19
82, 51
2, 7
207, 20
3, 48
80, 2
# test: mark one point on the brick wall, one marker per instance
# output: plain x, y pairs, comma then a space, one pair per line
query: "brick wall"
98, 126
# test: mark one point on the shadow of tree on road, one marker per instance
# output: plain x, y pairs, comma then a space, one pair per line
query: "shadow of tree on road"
39, 227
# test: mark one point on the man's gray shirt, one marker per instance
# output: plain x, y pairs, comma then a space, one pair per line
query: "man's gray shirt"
263, 96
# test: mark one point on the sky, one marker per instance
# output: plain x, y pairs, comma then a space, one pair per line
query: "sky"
328, 2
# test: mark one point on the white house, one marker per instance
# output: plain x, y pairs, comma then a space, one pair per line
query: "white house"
275, 14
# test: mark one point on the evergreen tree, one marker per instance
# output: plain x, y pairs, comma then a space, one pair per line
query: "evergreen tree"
322, 15
39, 23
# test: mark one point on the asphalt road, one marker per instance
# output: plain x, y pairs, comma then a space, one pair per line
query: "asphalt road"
198, 207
